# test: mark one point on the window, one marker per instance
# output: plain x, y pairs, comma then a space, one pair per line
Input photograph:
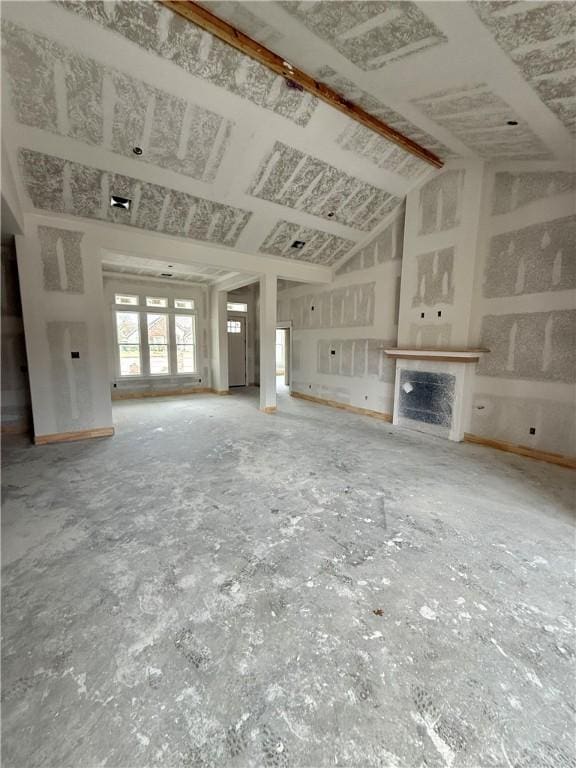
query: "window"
237, 307
185, 346
234, 326
122, 299
155, 342
128, 336
154, 301
158, 344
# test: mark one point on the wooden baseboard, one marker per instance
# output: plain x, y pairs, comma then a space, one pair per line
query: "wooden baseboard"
20, 428
68, 437
269, 409
344, 406
522, 450
161, 393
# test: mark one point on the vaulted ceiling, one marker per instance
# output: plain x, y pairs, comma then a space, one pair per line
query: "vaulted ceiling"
234, 156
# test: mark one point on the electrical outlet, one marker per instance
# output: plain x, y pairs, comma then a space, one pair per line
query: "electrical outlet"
532, 430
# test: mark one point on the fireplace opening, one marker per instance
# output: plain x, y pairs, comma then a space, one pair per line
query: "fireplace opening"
427, 397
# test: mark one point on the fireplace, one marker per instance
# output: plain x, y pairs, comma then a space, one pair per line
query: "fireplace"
433, 389
427, 397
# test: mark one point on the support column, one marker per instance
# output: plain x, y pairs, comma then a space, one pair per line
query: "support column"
218, 318
268, 343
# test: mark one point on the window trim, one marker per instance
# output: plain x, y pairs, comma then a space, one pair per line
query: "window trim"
142, 311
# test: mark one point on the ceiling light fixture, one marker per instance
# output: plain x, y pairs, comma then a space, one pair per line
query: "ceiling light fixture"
512, 122
137, 150
120, 202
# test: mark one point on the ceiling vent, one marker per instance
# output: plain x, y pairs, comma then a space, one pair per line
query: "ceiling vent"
298, 244
120, 202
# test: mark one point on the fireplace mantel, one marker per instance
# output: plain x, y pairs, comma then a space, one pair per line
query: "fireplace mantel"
438, 354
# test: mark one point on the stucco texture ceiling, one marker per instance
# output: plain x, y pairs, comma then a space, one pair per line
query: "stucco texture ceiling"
231, 154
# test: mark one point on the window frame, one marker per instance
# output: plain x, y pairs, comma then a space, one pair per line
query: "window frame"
118, 344
142, 310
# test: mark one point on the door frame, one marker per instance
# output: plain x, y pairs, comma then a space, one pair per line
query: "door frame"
287, 325
240, 316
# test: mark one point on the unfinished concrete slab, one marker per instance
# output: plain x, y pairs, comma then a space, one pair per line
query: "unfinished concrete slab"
219, 587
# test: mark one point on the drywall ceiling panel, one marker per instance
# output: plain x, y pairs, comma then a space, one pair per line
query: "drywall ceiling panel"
231, 153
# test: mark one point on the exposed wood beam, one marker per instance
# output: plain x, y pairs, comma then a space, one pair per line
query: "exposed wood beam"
229, 34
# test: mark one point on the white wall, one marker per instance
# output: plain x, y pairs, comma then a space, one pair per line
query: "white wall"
440, 239
170, 289
63, 307
339, 330
525, 308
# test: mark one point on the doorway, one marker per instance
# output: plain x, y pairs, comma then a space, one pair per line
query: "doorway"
236, 327
283, 359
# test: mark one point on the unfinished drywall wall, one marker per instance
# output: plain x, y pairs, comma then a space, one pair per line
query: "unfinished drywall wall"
16, 412
63, 310
339, 331
171, 290
524, 309
439, 255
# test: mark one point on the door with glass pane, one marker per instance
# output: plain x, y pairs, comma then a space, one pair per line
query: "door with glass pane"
236, 351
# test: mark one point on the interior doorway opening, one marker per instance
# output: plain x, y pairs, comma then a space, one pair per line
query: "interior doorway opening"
283, 359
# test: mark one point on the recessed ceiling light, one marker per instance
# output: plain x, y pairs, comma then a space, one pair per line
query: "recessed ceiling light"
512, 122
298, 244
120, 202
137, 150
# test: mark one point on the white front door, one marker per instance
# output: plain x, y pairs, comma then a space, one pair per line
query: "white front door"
236, 351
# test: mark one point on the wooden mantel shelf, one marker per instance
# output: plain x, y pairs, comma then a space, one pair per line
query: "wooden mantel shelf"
440, 354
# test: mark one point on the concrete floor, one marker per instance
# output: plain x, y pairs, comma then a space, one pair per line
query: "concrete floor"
217, 587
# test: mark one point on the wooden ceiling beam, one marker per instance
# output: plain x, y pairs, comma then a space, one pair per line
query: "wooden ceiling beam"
229, 34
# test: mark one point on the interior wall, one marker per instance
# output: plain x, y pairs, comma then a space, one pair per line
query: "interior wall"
340, 330
140, 385
524, 309
16, 410
63, 308
440, 239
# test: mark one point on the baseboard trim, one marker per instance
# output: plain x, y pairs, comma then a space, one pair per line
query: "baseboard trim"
269, 409
68, 437
20, 428
220, 391
161, 393
522, 450
344, 406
